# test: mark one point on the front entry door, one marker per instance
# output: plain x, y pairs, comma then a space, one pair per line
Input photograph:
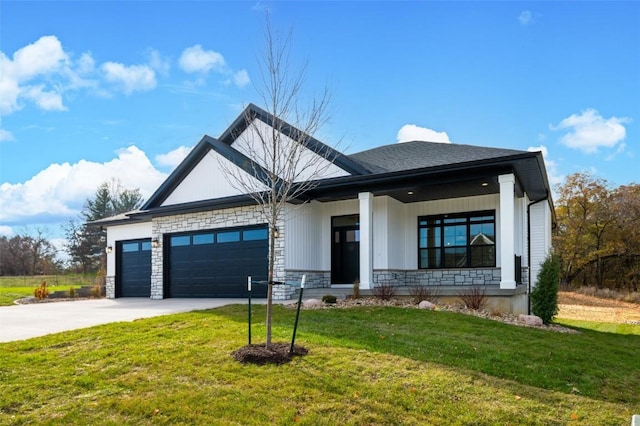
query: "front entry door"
345, 249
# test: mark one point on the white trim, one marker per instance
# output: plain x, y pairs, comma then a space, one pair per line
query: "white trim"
366, 240
507, 231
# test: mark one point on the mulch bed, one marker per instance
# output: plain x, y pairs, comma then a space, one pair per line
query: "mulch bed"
277, 353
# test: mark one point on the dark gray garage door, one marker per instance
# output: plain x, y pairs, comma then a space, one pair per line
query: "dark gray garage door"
216, 263
133, 263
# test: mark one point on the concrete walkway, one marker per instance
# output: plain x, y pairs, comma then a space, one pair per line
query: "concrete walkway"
20, 322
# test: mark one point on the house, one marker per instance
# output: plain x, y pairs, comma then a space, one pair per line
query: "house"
447, 216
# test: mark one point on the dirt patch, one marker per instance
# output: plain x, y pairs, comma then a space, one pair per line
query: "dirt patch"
277, 353
588, 308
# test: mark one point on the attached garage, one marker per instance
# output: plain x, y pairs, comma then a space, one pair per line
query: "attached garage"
133, 274
216, 263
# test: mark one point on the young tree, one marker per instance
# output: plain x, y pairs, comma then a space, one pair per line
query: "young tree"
284, 163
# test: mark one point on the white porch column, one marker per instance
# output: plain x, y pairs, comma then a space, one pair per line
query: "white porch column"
366, 240
507, 231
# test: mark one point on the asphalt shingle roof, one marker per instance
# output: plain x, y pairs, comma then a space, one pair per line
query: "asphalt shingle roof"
419, 155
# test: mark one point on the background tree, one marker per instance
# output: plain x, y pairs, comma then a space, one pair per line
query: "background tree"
290, 170
86, 244
597, 236
28, 253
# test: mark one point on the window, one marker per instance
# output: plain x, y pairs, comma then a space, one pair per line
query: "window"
255, 234
465, 240
180, 240
199, 239
228, 237
128, 247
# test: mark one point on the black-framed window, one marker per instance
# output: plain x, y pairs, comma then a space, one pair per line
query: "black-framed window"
460, 240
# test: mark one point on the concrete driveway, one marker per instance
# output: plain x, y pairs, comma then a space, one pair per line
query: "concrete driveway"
20, 322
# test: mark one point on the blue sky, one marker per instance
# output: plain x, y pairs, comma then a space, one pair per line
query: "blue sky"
91, 91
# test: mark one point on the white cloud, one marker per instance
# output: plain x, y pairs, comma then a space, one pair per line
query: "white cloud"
5, 135
241, 78
555, 177
130, 78
159, 63
43, 58
59, 192
411, 132
173, 158
589, 131
7, 231
525, 18
46, 100
195, 59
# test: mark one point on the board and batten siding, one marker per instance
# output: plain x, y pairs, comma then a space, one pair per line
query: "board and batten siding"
309, 166
207, 181
303, 237
388, 233
540, 217
133, 231
312, 251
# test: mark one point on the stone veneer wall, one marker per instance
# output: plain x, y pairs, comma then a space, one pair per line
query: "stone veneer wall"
313, 279
227, 218
442, 277
110, 287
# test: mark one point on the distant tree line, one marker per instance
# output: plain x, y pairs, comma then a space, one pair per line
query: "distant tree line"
598, 233
26, 254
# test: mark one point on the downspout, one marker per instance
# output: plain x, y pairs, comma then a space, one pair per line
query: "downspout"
529, 250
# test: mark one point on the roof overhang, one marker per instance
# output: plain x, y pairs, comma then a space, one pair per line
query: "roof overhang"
435, 183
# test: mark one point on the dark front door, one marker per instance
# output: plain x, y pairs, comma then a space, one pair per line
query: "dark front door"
345, 249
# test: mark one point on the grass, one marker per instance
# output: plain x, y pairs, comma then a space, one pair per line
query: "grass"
370, 365
604, 327
12, 288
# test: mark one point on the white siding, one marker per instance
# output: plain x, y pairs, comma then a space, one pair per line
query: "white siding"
208, 180
380, 232
540, 215
388, 233
310, 165
303, 237
123, 233
308, 234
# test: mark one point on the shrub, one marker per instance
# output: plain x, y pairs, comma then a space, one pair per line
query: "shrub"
384, 291
544, 297
329, 298
422, 292
356, 289
41, 292
98, 290
473, 298
72, 292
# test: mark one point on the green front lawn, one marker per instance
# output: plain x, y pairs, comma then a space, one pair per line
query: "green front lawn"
13, 288
368, 365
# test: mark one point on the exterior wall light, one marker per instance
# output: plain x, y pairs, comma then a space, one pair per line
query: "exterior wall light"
155, 243
109, 249
276, 233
